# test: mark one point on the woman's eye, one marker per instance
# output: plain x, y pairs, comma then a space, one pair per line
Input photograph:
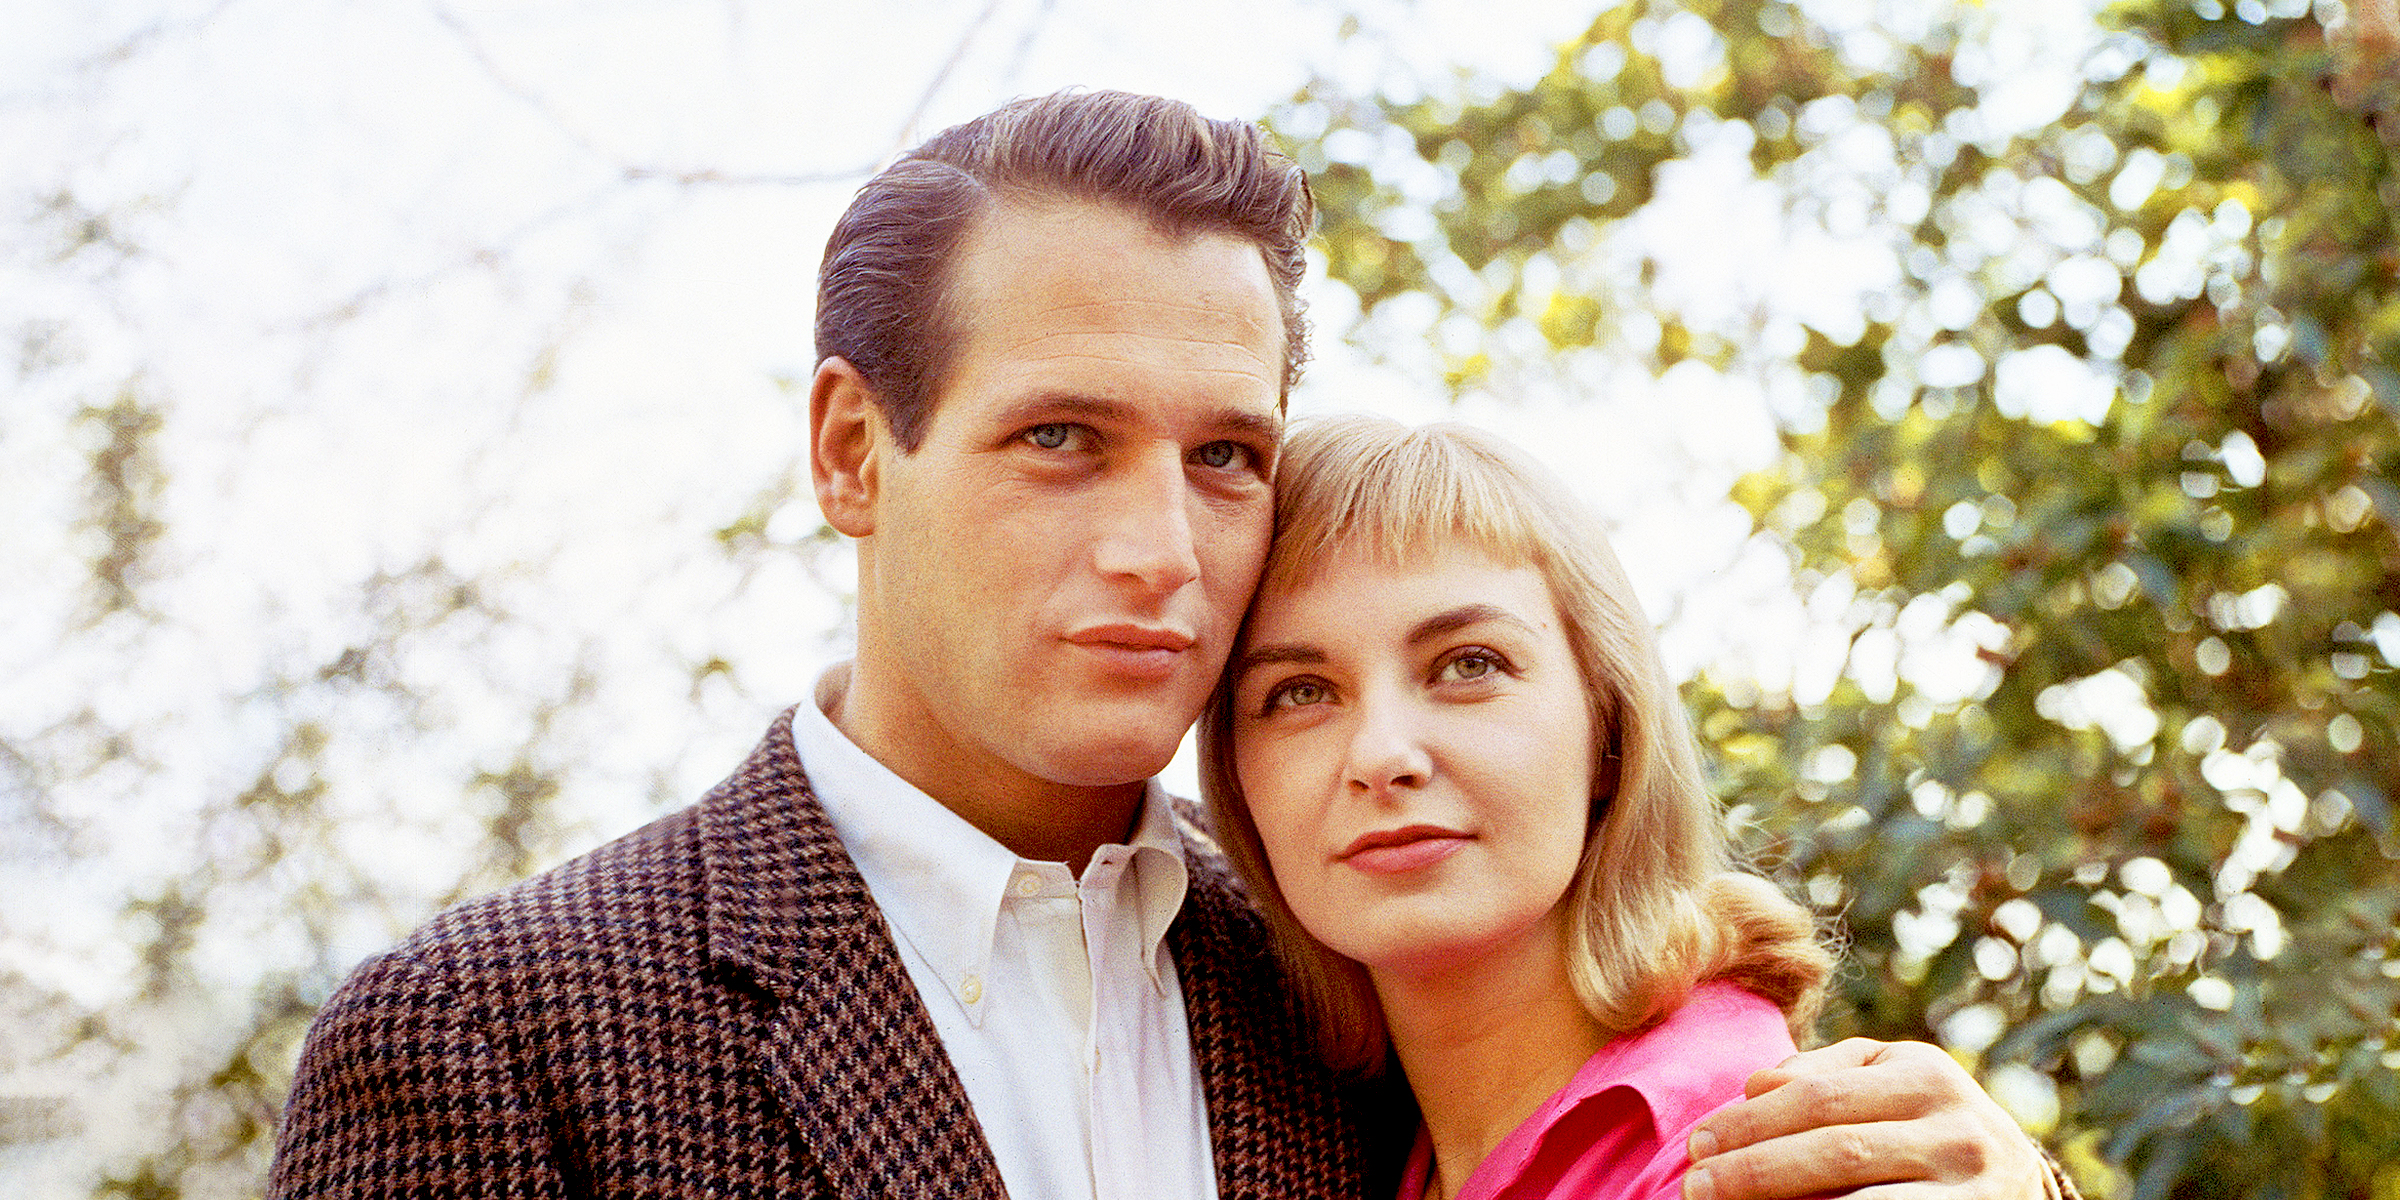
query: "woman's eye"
1296, 694
1473, 665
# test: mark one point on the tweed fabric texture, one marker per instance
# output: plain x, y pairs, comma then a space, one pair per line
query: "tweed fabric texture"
713, 1006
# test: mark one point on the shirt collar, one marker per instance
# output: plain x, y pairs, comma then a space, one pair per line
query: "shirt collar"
1680, 1070
940, 881
1686, 1065
1160, 877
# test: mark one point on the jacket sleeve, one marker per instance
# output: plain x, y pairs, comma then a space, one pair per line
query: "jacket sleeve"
400, 1093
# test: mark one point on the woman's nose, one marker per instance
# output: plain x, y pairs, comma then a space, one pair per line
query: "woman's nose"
1387, 750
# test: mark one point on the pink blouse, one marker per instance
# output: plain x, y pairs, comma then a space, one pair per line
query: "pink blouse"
1618, 1128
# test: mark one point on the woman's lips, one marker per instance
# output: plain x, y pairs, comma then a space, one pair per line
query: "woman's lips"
1397, 851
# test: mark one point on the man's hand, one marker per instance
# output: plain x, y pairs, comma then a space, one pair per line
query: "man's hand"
1895, 1120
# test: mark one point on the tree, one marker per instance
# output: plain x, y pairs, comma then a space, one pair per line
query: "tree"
2087, 480
301, 641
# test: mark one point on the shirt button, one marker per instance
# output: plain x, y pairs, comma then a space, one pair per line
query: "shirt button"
971, 990
1027, 884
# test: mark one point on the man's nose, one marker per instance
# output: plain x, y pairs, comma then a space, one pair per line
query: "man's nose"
1387, 748
1148, 537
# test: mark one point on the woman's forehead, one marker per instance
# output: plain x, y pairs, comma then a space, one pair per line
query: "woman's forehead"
1298, 562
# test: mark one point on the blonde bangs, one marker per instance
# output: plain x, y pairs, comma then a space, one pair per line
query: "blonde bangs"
1368, 485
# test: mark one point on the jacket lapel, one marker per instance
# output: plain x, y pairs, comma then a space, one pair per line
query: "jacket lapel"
851, 1050
1280, 1124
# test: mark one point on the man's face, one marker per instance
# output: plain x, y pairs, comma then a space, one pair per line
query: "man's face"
1058, 570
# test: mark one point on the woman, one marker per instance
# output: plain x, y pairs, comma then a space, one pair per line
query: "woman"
1450, 764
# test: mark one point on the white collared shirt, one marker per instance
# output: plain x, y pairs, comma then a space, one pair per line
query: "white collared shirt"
1056, 998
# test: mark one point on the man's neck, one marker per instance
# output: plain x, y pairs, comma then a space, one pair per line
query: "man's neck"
1037, 819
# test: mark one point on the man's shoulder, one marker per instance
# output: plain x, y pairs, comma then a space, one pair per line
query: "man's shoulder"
649, 876
640, 894
639, 902
592, 1014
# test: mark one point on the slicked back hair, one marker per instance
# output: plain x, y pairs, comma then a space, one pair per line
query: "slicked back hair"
1658, 903
882, 293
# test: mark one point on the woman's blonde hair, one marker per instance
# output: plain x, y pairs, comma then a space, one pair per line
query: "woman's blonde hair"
1658, 902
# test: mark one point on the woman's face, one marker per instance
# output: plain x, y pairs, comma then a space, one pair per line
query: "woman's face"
1416, 746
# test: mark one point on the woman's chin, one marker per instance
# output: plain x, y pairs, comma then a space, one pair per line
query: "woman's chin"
1447, 944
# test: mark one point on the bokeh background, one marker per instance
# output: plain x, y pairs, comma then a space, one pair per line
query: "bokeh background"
400, 486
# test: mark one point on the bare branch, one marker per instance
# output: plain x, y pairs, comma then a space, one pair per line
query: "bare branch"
483, 59
713, 177
1033, 31
632, 172
124, 49
907, 135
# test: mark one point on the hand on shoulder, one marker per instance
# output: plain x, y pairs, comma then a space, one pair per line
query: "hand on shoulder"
1874, 1119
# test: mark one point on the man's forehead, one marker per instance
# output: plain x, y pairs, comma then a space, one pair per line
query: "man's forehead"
1100, 253
1084, 299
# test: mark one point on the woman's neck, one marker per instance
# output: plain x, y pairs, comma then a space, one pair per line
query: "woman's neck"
1484, 1043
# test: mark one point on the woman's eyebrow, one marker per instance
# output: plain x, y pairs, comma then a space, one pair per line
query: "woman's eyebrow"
1286, 652
1452, 620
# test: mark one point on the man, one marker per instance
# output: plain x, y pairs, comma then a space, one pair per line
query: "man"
941, 935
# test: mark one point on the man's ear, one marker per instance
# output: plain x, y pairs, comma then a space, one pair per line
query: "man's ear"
844, 448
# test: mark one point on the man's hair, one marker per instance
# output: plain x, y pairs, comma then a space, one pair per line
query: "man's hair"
883, 293
1658, 903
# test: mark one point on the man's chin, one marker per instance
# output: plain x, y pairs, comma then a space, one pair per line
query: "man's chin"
1090, 762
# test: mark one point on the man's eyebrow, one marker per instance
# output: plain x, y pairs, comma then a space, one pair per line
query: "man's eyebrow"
1246, 422
1452, 620
1269, 655
1233, 421
1069, 404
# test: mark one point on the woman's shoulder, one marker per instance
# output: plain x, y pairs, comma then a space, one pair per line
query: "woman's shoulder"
1697, 1058
1618, 1129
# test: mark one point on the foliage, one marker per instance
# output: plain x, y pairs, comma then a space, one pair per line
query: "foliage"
2090, 484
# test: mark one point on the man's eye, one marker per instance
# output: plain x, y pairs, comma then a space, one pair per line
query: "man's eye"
1052, 436
1219, 455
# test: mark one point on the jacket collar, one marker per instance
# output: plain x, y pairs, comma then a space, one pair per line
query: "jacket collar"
851, 1051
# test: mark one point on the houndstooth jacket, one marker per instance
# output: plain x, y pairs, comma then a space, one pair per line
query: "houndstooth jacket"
713, 1006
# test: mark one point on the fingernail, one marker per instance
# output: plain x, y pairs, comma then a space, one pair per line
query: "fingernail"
1696, 1185
1703, 1144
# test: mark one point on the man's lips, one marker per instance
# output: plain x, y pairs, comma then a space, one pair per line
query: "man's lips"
1394, 851
1146, 651
1133, 637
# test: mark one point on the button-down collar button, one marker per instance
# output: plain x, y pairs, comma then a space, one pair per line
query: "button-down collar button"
971, 990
